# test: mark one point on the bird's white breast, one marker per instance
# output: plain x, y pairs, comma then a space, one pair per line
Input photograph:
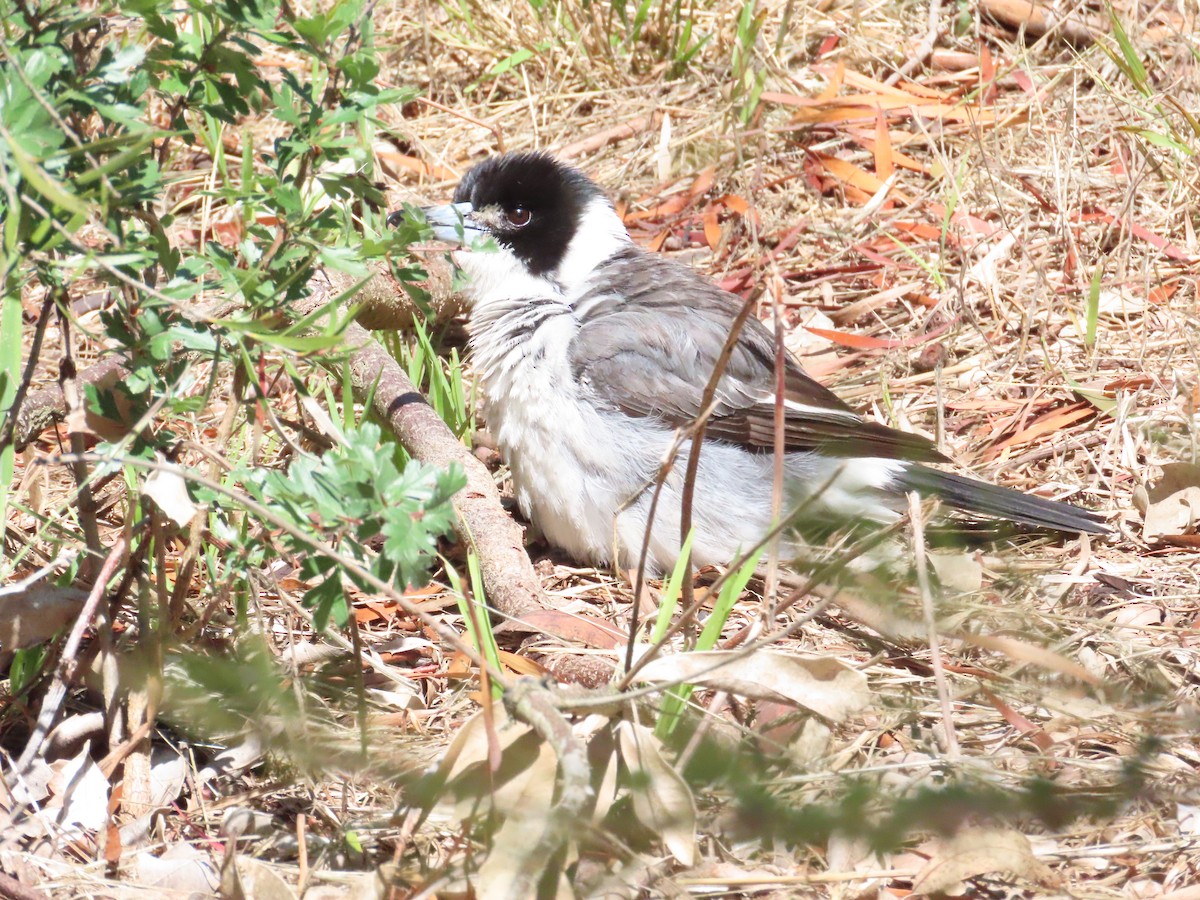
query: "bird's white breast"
566, 459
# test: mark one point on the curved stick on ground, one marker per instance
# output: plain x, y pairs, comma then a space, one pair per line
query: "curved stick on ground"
511, 583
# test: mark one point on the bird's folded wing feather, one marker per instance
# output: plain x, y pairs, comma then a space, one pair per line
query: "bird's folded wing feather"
655, 359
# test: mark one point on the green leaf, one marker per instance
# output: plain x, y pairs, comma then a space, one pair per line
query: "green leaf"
45, 185
1092, 313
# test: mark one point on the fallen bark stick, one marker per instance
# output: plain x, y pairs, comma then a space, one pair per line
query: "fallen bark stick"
1039, 20
509, 579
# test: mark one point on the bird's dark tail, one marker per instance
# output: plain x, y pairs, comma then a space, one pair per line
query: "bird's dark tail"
982, 499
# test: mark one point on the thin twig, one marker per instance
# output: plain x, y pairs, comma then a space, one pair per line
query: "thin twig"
935, 647
495, 130
532, 702
349, 565
924, 48
65, 672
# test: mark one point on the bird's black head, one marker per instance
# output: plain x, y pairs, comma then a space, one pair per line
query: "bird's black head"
530, 203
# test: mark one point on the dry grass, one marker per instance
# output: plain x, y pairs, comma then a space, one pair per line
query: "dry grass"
955, 305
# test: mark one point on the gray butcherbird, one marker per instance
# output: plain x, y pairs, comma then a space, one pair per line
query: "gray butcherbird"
591, 353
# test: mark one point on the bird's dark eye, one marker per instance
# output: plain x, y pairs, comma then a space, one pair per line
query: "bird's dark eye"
518, 216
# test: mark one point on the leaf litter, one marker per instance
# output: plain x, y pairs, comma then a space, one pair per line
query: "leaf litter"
943, 164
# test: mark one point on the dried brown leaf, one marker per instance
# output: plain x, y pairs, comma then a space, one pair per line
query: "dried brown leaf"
662, 801
978, 851
821, 684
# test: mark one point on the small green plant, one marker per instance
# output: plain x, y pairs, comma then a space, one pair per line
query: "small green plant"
439, 376
101, 128
354, 496
675, 702
472, 605
1092, 312
747, 80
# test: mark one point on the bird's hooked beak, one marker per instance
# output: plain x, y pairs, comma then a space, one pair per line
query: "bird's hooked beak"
450, 223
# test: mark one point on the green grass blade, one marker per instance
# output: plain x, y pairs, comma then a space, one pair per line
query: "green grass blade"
670, 598
1093, 308
675, 701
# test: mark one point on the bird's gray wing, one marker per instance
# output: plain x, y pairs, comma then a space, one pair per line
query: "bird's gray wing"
652, 350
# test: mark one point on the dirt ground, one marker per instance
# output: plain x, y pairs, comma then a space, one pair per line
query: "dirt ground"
997, 250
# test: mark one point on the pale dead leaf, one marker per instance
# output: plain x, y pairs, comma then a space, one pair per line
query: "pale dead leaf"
1136, 615
662, 801
398, 697
800, 340
978, 851
1188, 817
169, 492
367, 886
233, 759
1173, 502
78, 794
168, 775
261, 882
471, 745
594, 731
527, 773
822, 684
662, 154
509, 872
36, 614
182, 867
31, 786
1030, 653
957, 570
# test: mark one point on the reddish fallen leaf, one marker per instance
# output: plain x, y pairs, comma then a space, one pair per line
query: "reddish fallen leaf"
1021, 651
856, 107
1163, 292
733, 203
523, 665
972, 224
953, 60
227, 228
923, 230
875, 256
899, 160
712, 227
402, 162
883, 147
863, 82
704, 181
365, 615
867, 342
1040, 739
1140, 232
1053, 421
620, 132
1186, 541
987, 73
673, 205
459, 666
852, 175
735, 282
584, 629
828, 45
1129, 383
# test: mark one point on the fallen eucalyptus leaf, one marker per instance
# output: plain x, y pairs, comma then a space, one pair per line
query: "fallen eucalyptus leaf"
977, 851
662, 801
821, 684
169, 492
1173, 502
